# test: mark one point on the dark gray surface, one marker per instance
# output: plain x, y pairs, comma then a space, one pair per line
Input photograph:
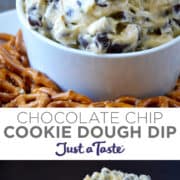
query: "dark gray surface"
7, 5
76, 170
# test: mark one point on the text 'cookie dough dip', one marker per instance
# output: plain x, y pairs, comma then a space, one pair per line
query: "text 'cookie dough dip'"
106, 26
107, 174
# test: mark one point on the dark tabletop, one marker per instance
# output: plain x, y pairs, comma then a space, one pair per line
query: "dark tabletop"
76, 170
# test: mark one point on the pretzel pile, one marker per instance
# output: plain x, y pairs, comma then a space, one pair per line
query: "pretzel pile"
22, 86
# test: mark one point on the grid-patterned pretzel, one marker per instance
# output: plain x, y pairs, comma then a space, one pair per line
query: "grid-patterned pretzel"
22, 86
71, 96
161, 101
11, 85
30, 101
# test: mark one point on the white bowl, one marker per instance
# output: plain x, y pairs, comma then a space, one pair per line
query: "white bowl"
142, 74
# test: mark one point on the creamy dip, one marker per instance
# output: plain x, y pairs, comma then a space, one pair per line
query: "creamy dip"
106, 26
107, 174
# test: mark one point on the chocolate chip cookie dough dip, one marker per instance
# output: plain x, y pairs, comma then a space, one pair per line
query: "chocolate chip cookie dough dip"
106, 26
107, 174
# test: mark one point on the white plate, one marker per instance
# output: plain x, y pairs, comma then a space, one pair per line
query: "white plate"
9, 22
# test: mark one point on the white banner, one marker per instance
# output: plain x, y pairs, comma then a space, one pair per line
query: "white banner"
87, 134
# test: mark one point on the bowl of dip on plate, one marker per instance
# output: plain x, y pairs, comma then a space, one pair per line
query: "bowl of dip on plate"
104, 49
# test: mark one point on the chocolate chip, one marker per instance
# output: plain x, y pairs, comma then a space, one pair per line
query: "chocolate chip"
70, 12
120, 27
101, 3
177, 21
157, 31
79, 3
177, 8
34, 21
133, 11
50, 1
103, 40
118, 15
83, 42
55, 3
34, 18
65, 34
116, 48
147, 19
166, 12
140, 35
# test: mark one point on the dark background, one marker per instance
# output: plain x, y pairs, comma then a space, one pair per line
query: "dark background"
7, 4
76, 170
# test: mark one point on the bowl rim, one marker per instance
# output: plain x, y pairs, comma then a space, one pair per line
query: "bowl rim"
19, 9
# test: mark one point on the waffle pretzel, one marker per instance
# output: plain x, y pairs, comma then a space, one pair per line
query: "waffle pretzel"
13, 78
30, 101
19, 44
16, 48
36, 77
161, 101
7, 91
6, 37
20, 58
71, 96
49, 91
175, 95
6, 97
10, 61
110, 104
40, 79
66, 104
127, 100
11, 85
178, 85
